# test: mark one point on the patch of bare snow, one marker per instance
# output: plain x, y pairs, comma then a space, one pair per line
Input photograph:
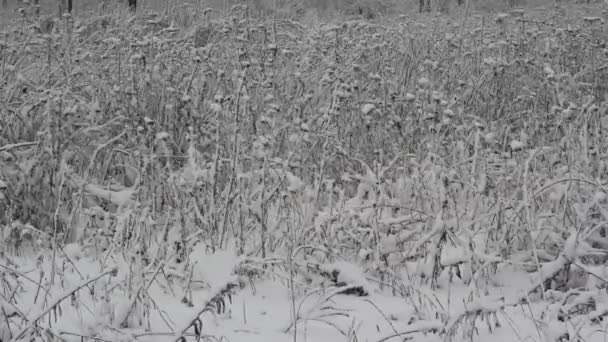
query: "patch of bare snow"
213, 269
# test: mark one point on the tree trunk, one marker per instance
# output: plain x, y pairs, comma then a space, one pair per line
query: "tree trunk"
133, 5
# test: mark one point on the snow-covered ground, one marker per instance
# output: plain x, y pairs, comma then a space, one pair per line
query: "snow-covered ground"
263, 309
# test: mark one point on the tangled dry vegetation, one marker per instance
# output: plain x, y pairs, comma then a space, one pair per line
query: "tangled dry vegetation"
450, 148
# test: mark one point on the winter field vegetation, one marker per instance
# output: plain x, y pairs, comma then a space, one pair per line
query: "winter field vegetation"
304, 171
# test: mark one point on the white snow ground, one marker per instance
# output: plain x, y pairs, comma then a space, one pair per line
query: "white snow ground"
264, 314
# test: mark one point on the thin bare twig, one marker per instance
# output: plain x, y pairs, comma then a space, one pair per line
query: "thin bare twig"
61, 298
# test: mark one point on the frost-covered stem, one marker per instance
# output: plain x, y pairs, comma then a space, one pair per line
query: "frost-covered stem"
6, 322
420, 326
119, 65
262, 208
475, 151
56, 223
528, 205
214, 198
145, 288
585, 139
241, 225
565, 180
234, 161
546, 272
61, 298
21, 275
478, 308
321, 309
56, 170
320, 177
9, 147
292, 290
383, 314
465, 16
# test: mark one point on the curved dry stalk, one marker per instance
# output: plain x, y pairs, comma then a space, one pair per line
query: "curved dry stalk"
61, 298
418, 327
144, 288
22, 275
218, 298
18, 145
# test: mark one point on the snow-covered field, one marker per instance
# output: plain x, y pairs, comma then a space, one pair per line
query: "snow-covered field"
88, 302
294, 171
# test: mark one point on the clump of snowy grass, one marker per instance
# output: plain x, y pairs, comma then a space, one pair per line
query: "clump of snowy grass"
344, 274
